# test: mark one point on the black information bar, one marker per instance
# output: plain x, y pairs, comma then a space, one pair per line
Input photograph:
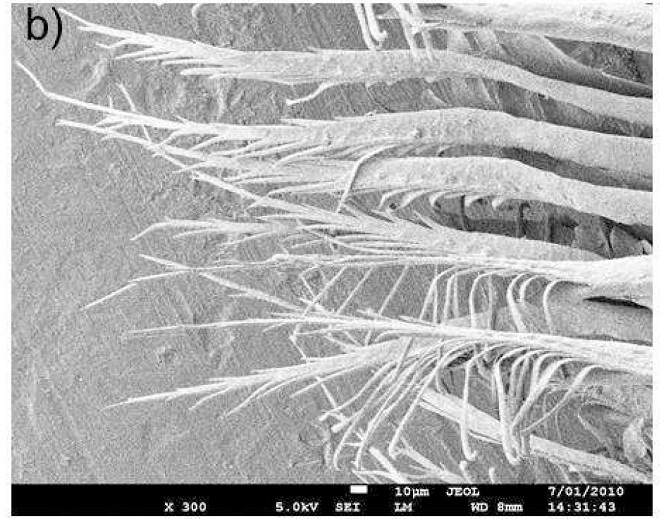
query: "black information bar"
344, 500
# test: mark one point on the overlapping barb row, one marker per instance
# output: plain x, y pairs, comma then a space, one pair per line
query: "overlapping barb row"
498, 341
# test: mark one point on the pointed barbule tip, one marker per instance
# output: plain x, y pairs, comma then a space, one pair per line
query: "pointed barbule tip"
115, 406
34, 79
68, 13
